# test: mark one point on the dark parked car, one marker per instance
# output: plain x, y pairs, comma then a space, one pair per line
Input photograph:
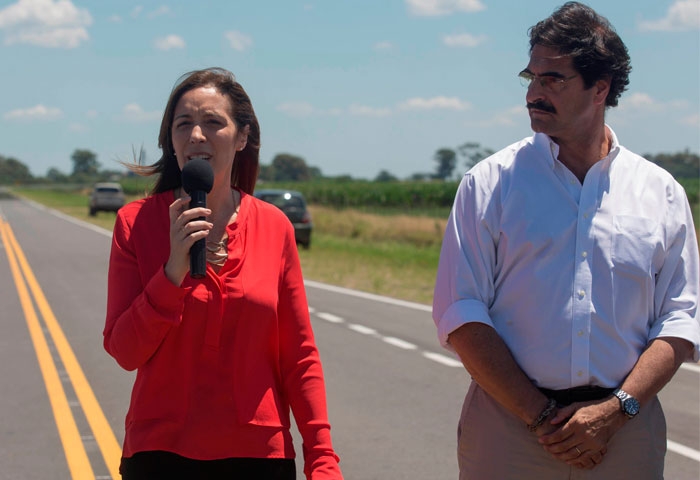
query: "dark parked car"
108, 197
294, 206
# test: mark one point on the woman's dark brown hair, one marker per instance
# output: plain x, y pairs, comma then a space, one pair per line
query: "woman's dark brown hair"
244, 173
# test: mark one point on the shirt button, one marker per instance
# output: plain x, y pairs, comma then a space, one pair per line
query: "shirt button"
579, 373
580, 333
581, 293
584, 254
585, 215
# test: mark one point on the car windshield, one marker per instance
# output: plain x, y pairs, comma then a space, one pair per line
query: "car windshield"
282, 200
107, 190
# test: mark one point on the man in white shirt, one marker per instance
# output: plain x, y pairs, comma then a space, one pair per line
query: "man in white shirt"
568, 278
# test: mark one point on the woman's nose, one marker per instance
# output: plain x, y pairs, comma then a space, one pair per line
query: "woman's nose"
197, 135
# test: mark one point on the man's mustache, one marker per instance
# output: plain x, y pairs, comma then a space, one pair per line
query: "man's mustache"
545, 107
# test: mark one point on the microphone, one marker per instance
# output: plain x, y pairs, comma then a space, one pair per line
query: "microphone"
197, 180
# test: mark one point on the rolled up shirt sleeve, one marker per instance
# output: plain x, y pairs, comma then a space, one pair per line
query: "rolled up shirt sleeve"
464, 287
677, 283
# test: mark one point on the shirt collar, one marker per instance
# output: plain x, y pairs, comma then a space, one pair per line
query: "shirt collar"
544, 143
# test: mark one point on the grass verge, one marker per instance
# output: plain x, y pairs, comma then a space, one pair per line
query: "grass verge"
393, 255
388, 254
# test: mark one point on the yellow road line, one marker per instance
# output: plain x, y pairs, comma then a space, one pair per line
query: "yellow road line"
99, 425
77, 459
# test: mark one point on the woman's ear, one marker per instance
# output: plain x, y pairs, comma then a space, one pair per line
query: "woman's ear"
242, 138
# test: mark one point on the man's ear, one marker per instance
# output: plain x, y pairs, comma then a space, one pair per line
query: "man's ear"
602, 88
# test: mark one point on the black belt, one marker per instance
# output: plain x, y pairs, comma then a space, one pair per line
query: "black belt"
577, 394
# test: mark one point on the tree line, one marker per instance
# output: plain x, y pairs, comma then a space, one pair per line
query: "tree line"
287, 167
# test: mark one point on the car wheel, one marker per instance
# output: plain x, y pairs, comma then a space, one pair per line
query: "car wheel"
93, 212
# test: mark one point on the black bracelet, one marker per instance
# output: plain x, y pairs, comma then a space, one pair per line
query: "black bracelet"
551, 405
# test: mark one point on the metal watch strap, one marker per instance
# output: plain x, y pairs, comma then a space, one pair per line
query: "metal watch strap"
625, 398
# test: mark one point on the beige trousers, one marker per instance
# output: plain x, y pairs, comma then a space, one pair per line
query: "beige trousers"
494, 444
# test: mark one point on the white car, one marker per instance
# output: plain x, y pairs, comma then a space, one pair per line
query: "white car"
108, 197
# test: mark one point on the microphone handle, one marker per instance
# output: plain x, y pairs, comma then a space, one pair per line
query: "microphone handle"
198, 258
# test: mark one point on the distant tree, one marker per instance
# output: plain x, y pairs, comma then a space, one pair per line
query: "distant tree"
473, 153
110, 175
266, 173
315, 172
345, 177
680, 165
446, 160
57, 176
385, 176
13, 171
85, 163
420, 176
288, 167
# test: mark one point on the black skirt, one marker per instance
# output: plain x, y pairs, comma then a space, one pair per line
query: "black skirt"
157, 465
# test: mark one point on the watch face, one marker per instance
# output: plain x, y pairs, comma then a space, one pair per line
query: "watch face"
631, 406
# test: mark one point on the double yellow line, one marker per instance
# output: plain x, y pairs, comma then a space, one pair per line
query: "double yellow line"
76, 455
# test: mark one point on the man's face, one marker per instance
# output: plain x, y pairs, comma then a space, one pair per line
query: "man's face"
557, 101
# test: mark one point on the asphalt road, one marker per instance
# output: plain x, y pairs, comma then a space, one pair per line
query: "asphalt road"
394, 395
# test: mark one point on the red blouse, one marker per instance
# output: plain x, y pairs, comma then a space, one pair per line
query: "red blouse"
221, 359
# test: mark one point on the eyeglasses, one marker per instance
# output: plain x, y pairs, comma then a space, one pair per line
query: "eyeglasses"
550, 83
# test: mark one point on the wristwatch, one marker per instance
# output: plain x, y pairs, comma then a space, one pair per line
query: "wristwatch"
628, 404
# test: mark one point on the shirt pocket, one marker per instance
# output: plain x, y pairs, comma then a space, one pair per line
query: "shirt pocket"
634, 245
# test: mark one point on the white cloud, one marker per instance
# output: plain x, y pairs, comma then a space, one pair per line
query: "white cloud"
296, 109
682, 15
115, 19
169, 42
45, 23
78, 127
305, 109
136, 11
160, 11
507, 118
691, 120
440, 102
643, 102
639, 105
238, 41
365, 111
433, 8
464, 40
39, 112
383, 46
133, 112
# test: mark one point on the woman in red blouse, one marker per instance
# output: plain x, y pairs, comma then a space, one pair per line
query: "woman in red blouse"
220, 360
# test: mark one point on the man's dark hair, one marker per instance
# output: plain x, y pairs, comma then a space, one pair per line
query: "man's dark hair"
596, 50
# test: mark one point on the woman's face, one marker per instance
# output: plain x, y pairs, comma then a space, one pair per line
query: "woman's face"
203, 128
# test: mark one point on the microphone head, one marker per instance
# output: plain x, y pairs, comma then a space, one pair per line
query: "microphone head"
197, 174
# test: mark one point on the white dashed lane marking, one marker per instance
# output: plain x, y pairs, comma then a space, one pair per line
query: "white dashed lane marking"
329, 317
393, 341
443, 359
362, 329
397, 342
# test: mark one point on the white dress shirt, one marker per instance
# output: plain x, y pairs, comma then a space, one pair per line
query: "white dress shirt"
576, 278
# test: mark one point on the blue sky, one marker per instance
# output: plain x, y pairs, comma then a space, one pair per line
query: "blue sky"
354, 87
